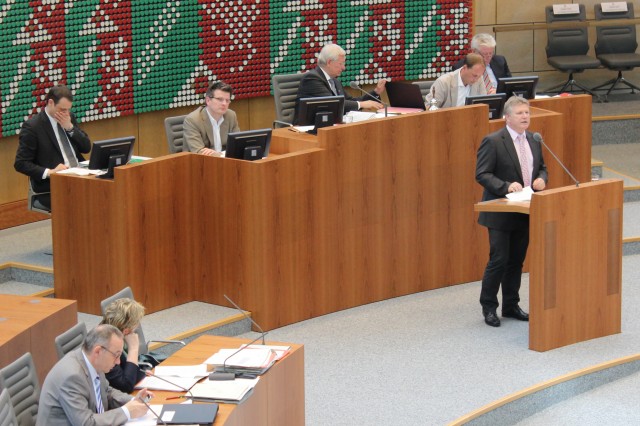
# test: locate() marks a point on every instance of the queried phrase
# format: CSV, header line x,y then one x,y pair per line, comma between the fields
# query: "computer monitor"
x,y
524,86
310,108
249,145
111,153
495,102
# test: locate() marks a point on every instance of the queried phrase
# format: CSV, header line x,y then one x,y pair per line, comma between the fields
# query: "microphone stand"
x,y
538,138
354,85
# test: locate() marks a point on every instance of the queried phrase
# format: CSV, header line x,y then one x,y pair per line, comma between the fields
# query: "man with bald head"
x,y
323,81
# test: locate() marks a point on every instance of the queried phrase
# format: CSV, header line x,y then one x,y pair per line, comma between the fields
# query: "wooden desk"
x,y
362,212
277,399
31,324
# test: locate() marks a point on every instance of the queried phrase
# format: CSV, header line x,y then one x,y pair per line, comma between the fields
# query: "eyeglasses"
x,y
115,356
221,100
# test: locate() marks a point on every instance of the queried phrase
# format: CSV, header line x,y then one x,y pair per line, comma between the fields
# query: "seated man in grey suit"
x,y
70,392
323,81
496,65
451,89
206,128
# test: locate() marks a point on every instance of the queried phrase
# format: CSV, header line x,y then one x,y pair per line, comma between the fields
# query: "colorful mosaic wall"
x,y
126,57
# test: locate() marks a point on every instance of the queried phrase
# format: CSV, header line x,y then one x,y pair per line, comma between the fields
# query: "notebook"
x,y
188,414
405,95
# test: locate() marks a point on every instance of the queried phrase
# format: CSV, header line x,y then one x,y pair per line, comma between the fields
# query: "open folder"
x,y
188,414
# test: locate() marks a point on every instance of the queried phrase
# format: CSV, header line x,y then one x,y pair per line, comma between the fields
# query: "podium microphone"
x,y
159,419
538,138
246,316
354,85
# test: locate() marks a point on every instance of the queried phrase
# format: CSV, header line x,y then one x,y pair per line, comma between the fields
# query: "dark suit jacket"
x,y
68,398
498,65
496,168
314,85
124,376
38,149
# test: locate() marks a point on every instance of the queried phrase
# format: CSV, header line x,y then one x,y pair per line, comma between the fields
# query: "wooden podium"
x,y
575,262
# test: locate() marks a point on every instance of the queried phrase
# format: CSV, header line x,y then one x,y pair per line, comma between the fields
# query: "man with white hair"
x,y
323,81
496,65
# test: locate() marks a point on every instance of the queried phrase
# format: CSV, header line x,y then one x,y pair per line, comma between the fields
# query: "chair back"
x,y
425,87
569,41
173,127
615,39
70,339
7,415
21,380
128,294
285,92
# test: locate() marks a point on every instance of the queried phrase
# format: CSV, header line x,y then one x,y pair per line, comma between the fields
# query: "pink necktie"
x,y
524,161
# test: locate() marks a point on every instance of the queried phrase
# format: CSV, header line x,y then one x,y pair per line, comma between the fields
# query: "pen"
x,y
176,397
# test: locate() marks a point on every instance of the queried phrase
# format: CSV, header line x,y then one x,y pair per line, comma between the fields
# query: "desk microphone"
x,y
354,85
538,138
223,374
159,419
150,374
246,316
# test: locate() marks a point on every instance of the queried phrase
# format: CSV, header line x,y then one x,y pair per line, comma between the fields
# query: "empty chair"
x,y
70,339
173,127
567,48
7,415
425,86
285,92
21,380
616,46
144,345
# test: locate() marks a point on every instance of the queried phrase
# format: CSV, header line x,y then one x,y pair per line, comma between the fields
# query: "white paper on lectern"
x,y
199,370
524,195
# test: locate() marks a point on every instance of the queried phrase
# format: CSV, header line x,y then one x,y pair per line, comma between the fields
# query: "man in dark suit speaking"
x,y
496,65
323,81
508,161
49,142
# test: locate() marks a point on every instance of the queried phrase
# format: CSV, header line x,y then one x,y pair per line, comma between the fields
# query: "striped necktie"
x,y
99,407
487,81
332,83
66,146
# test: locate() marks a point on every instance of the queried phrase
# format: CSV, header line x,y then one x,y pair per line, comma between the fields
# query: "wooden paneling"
x,y
362,212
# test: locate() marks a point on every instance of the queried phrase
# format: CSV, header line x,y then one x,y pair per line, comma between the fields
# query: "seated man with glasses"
x,y
206,128
496,65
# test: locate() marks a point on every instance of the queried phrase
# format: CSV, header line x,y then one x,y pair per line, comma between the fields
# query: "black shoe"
x,y
516,313
491,318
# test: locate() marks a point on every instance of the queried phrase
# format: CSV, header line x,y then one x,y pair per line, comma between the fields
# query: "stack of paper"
x,y
253,359
229,391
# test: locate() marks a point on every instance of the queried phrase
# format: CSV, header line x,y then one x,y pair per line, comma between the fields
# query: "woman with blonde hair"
x,y
125,314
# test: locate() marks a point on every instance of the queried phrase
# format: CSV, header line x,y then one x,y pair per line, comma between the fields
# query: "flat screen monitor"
x,y
249,145
110,153
495,102
308,108
524,86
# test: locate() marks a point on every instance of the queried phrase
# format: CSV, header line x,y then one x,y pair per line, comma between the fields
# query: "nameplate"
x,y
566,9
614,6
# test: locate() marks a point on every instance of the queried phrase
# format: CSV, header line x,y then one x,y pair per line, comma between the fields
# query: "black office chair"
x,y
616,47
567,49
285,92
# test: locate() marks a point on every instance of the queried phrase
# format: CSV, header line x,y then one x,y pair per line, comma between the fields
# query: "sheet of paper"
x,y
233,390
524,195
148,419
179,384
80,171
188,371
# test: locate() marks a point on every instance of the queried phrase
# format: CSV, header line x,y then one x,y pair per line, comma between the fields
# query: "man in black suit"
x,y
508,160
49,142
496,65
323,81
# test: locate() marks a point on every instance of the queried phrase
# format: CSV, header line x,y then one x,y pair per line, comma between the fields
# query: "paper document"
x,y
361,115
524,195
280,351
223,390
148,419
252,357
301,129
189,371
154,383
80,171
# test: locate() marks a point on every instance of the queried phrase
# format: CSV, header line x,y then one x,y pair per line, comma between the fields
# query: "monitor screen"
x,y
524,86
117,151
249,145
495,102
309,107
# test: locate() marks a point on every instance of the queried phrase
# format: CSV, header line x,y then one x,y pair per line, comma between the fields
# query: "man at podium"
x,y
507,161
